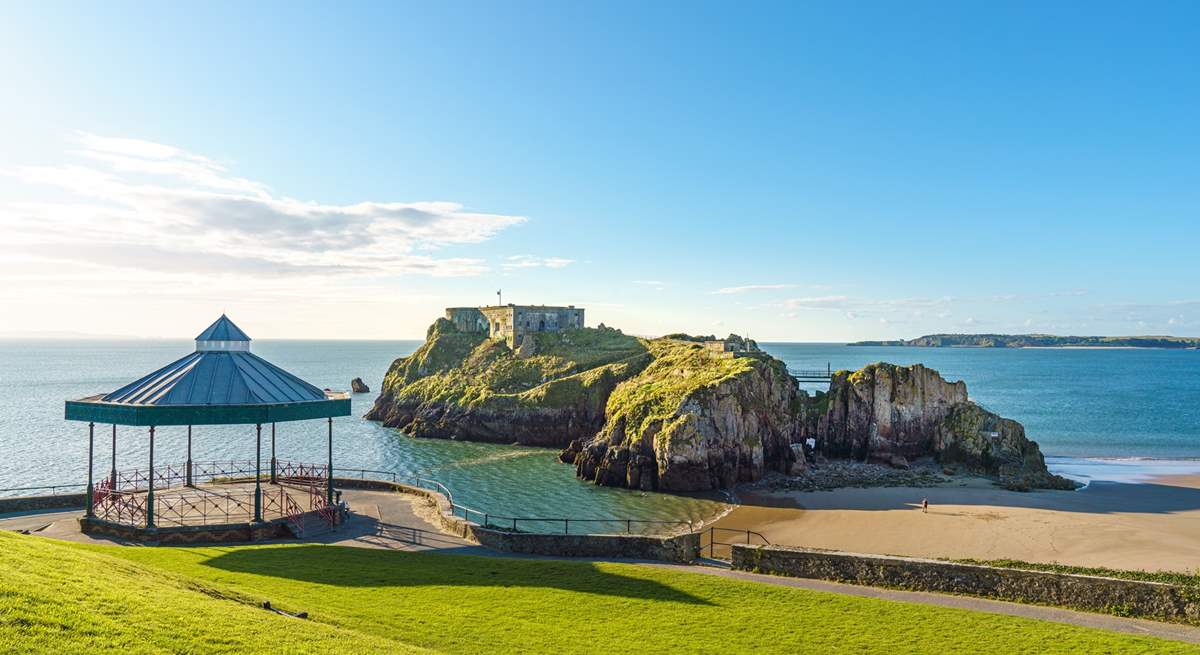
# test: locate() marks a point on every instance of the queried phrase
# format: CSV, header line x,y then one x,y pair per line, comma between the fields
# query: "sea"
x,y
1123,415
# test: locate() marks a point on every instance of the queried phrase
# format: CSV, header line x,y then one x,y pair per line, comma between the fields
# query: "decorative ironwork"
x,y
299,473
125,507
125,502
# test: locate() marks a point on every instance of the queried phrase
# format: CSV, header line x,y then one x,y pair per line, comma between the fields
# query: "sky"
x,y
795,171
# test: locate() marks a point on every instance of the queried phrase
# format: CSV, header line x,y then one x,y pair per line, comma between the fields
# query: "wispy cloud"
x,y
817,302
141,205
752,287
657,285
529,261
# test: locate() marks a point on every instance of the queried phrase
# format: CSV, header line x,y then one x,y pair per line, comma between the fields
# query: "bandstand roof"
x,y
222,382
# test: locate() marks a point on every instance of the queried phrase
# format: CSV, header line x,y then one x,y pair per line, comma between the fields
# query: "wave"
x,y
1129,470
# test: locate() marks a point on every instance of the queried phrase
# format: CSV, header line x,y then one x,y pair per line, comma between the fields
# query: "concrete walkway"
x,y
393,521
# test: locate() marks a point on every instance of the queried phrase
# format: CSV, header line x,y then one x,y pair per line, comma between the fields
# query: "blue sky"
x,y
798,172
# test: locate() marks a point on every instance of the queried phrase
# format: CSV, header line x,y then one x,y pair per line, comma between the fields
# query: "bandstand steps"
x,y
309,526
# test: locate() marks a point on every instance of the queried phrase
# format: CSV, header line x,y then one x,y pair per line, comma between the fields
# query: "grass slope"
x,y
57,597
60,598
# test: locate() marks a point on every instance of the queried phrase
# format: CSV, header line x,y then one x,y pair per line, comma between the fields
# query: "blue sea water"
x,y
1079,404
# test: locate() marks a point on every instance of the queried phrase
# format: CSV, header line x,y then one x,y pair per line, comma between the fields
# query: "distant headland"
x,y
1037,341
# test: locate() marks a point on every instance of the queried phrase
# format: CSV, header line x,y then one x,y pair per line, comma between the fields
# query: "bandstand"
x,y
221,383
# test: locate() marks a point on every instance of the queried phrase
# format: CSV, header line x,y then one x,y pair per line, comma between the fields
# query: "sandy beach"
x,y
1152,525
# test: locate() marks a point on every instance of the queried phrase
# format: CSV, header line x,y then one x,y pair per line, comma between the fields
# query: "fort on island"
x,y
510,323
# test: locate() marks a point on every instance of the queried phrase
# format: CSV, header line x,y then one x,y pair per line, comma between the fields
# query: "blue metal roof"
x,y
217,378
223,329
222,382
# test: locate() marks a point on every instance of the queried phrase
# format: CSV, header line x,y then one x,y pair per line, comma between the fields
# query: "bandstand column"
x,y
188,482
150,481
113,473
273,479
329,468
258,475
91,449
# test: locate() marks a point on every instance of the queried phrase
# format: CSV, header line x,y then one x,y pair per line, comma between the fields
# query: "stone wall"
x,y
467,319
37,503
676,548
191,534
512,322
1152,600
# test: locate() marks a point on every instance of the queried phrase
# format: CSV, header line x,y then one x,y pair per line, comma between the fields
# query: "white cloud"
x,y
529,261
149,206
817,302
752,287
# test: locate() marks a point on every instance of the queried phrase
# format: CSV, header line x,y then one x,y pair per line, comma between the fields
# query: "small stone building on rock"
x,y
511,323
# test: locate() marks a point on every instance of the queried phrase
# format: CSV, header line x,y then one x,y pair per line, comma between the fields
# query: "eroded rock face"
x,y
890,414
882,411
358,386
715,435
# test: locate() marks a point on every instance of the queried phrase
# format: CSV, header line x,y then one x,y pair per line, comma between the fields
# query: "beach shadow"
x,y
344,566
1099,498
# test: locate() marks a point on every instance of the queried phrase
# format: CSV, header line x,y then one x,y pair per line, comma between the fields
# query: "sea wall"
x,y
35,503
1137,598
673,548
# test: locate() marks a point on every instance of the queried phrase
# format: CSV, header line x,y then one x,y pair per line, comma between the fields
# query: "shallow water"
x,y
1078,404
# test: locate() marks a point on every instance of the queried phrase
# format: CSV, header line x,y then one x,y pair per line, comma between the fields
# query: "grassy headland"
x,y
1036,341
57,597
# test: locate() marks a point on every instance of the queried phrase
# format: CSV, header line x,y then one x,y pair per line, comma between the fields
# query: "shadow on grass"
x,y
342,566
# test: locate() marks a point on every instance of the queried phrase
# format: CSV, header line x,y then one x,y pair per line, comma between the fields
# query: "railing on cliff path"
x,y
529,524
724,549
129,482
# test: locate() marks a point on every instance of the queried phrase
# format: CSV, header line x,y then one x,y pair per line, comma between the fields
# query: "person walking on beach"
x,y
925,505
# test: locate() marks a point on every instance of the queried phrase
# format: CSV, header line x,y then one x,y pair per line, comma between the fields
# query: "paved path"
x,y
393,521
385,519
1142,627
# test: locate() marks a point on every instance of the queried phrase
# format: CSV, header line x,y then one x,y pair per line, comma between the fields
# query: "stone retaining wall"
x,y
189,534
1153,600
676,548
35,503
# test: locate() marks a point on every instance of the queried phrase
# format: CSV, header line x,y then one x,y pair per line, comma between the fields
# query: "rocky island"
x,y
682,413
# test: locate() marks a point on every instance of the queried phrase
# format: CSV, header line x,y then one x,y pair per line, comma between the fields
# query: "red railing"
x,y
300,473
123,499
124,507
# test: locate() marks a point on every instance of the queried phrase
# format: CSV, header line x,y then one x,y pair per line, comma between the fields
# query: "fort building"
x,y
511,323
733,346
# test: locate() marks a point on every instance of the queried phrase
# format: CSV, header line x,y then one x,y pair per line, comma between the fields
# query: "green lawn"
x,y
57,597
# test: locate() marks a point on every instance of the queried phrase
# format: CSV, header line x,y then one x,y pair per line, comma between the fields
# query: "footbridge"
x,y
812,374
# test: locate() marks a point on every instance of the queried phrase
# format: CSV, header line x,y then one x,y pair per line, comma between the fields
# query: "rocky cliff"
x,y
669,414
694,420
463,385
888,414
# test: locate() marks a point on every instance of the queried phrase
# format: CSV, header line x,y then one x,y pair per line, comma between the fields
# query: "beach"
x,y
1146,525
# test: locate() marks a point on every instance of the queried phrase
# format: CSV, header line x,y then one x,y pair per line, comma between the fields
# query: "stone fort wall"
x,y
512,322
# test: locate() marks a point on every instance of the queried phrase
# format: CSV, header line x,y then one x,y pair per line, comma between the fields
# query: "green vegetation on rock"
x,y
678,370
469,369
466,385
69,598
